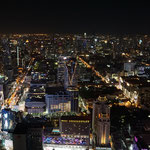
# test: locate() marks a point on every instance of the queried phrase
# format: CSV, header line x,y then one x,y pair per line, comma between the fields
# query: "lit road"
x,y
13,99
127,103
93,69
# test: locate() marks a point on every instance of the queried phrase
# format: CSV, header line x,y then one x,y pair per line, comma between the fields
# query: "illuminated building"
x,y
101,123
35,105
35,102
70,76
73,134
57,100
61,69
74,93
8,120
129,67
7,53
17,56
66,72
76,126
137,89
142,70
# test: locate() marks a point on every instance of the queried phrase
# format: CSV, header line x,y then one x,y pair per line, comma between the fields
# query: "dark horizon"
x,y
109,17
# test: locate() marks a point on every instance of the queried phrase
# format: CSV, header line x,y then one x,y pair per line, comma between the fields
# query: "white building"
x,y
57,100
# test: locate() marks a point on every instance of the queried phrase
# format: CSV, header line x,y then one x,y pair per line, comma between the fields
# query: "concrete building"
x,y
35,102
73,134
66,72
101,123
28,136
19,138
57,100
35,105
137,89
61,70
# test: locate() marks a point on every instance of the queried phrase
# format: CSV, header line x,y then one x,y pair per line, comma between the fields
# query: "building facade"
x,y
101,123
74,134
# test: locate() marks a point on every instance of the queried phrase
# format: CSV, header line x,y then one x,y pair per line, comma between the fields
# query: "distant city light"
x,y
105,41
95,40
65,58
27,41
140,42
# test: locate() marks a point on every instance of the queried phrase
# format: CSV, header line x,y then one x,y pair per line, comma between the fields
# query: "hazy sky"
x,y
103,16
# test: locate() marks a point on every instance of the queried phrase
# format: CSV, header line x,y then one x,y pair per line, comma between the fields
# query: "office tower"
x,y
18,56
70,78
75,126
74,93
61,70
7,53
101,122
35,104
7,61
59,99
19,137
28,136
66,72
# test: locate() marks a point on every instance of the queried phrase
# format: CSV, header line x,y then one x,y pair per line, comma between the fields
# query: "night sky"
x,y
95,16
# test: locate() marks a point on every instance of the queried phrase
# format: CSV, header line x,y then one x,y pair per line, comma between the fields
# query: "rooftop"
x,y
55,90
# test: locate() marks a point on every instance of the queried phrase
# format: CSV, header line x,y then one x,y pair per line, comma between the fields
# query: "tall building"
x,y
18,56
35,105
28,136
59,100
7,60
7,53
61,70
101,123
74,93
66,72
19,137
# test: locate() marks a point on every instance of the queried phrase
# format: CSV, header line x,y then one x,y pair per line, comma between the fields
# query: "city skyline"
x,y
74,91
74,75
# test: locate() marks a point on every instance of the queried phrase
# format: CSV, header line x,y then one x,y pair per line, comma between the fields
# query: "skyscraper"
x,y
66,72
101,123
